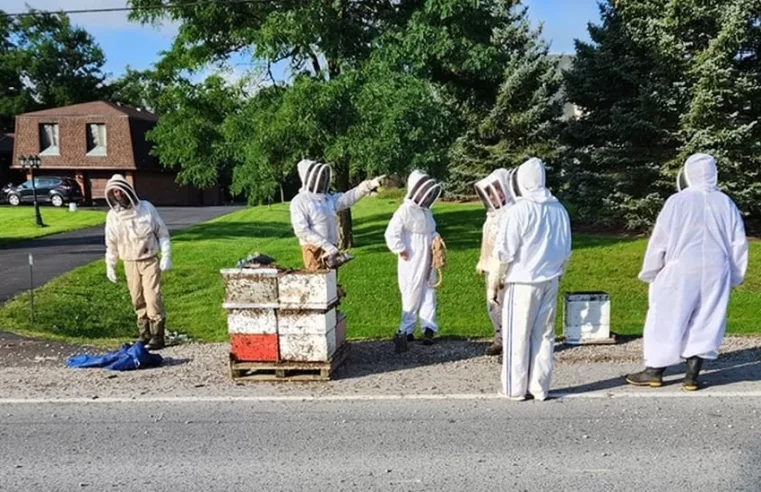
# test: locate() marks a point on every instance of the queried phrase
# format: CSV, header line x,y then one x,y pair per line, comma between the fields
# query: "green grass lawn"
x,y
17,223
84,305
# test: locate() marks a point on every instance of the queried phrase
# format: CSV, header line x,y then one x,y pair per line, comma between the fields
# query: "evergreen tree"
x,y
725,104
629,122
523,122
660,81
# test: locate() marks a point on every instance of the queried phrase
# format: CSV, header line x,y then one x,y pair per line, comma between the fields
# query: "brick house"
x,y
92,141
6,158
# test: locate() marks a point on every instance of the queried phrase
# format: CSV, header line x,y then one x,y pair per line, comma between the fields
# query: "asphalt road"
x,y
57,254
670,444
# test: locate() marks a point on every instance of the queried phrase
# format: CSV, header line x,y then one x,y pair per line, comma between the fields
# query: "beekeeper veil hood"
x,y
120,194
315,176
528,182
422,190
493,190
699,172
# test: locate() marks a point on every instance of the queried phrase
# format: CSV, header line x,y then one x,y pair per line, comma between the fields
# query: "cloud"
x,y
93,22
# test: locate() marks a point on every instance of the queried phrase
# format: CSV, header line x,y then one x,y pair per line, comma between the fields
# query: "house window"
x,y
96,139
49,139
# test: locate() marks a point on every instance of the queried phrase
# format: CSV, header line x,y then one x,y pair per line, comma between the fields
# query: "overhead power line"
x,y
131,9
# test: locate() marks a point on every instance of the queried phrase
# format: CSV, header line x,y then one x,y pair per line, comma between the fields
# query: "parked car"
x,y
4,192
50,189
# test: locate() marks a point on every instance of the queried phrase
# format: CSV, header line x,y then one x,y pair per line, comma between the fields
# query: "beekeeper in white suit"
x,y
410,235
135,234
533,247
493,191
698,252
314,209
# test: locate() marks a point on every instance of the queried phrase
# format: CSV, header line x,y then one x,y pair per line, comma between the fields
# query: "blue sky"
x,y
130,44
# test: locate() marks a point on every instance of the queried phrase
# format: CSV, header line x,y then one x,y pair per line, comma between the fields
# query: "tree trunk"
x,y
345,237
282,194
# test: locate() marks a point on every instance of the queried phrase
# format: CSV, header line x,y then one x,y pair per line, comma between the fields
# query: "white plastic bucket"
x,y
72,207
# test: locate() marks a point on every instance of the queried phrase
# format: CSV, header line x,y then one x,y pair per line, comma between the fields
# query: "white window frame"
x,y
101,149
55,147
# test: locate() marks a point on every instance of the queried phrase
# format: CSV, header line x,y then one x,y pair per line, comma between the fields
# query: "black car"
x,y
50,189
4,192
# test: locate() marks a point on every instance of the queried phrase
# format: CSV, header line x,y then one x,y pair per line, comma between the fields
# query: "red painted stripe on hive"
x,y
254,348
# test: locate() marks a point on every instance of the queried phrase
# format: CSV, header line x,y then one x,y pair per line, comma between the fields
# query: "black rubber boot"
x,y
494,349
428,337
144,330
400,343
651,376
691,373
157,336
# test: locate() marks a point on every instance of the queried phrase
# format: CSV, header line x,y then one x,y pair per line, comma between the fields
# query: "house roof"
x,y
96,108
6,143
565,62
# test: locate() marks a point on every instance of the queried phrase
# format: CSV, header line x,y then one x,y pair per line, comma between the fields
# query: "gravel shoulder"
x,y
34,369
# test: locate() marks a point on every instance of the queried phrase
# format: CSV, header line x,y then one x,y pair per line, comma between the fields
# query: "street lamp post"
x,y
33,163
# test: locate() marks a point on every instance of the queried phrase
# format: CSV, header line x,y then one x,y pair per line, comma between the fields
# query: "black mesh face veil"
x,y
318,178
323,180
682,182
484,196
428,193
121,196
515,189
493,190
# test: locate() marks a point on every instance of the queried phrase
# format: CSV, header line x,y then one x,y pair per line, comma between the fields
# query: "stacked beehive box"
x,y
587,318
283,322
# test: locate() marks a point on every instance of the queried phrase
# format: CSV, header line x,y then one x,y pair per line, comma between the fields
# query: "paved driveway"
x,y
56,255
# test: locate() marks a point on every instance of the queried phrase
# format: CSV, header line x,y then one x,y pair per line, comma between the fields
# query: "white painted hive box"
x,y
586,317
252,322
250,288
308,290
307,336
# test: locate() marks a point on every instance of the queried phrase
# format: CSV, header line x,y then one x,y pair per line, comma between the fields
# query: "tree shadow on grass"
x,y
462,230
235,230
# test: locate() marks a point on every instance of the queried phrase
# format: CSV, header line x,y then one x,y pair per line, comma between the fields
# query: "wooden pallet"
x,y
288,370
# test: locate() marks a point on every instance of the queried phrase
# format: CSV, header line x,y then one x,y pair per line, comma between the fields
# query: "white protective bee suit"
x,y
697,253
135,233
493,191
411,231
314,209
533,246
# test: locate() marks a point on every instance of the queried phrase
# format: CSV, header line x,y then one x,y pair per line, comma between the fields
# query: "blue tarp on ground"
x,y
126,358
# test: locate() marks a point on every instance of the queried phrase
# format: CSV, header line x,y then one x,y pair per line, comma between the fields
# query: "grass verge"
x,y
84,306
17,223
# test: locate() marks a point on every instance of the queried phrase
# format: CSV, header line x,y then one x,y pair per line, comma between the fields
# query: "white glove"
x,y
111,272
329,250
493,296
495,284
377,182
166,254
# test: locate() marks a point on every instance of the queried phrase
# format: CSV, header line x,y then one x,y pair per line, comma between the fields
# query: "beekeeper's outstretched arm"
x,y
303,229
162,233
347,200
112,247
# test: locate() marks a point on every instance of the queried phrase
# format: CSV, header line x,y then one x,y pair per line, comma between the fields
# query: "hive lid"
x,y
260,271
587,296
